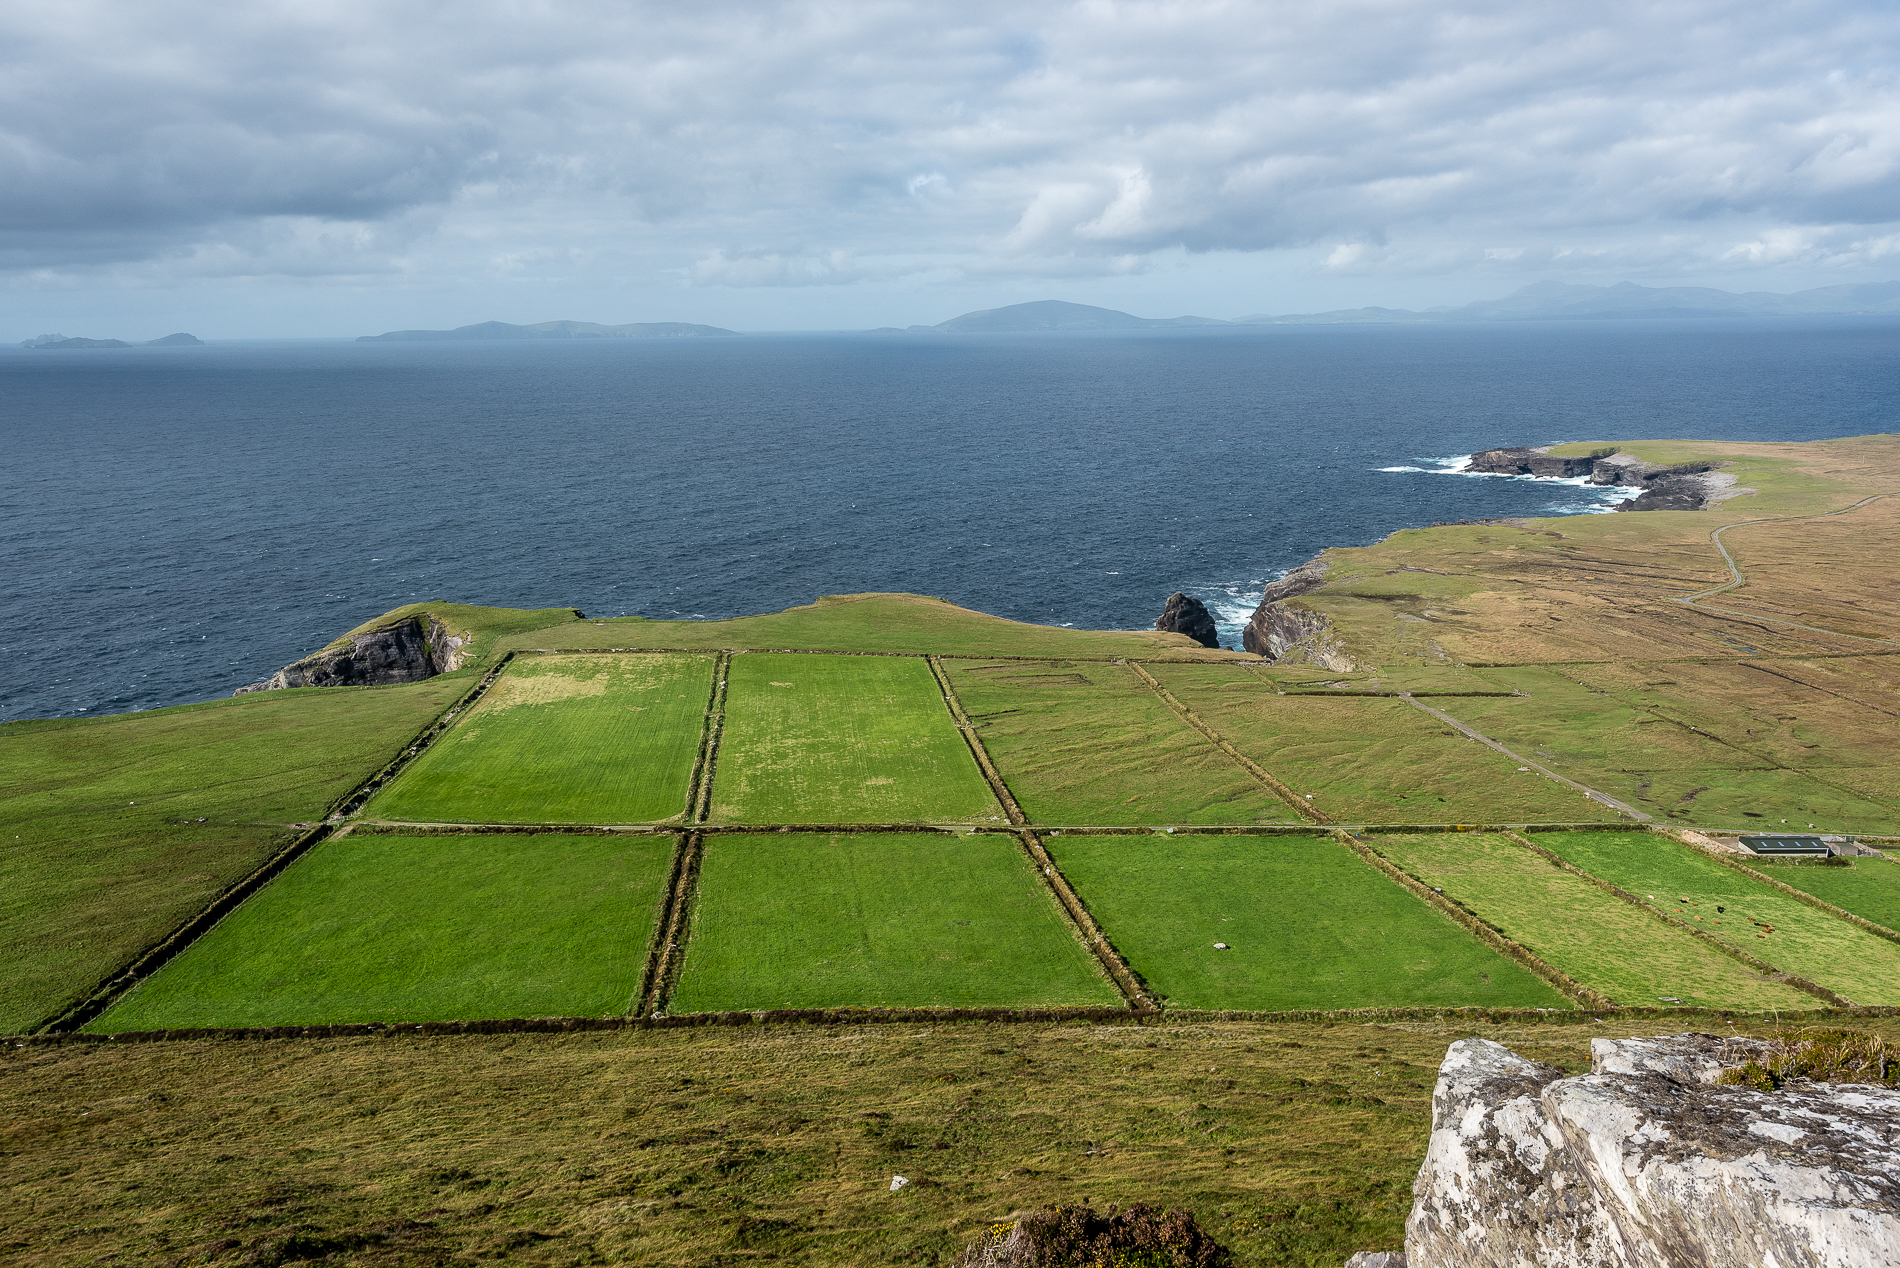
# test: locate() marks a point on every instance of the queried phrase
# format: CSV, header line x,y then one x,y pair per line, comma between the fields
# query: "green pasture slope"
x,y
1595,937
1687,884
1870,888
787,920
565,739
1370,759
1632,746
843,739
102,852
1082,742
1307,923
369,927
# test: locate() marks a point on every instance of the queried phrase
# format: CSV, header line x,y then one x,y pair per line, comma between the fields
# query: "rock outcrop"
x,y
1185,614
1689,487
1646,1161
407,650
1281,630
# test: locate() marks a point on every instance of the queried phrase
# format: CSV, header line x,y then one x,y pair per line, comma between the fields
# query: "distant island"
x,y
179,340
552,330
1541,301
1047,314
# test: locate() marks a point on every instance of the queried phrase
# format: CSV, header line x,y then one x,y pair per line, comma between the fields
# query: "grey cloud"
x,y
886,136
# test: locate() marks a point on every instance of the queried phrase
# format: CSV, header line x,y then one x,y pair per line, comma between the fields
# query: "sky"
x,y
341,167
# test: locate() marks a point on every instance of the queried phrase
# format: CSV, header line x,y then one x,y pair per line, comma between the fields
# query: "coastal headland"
x,y
674,941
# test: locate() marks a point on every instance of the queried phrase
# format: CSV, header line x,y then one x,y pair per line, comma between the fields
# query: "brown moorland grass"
x,y
1595,937
1370,760
1669,753
1294,1143
1089,743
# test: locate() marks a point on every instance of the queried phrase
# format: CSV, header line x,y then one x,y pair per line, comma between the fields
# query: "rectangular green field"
x,y
436,928
1870,888
899,920
565,739
843,739
1083,743
1307,923
118,829
1371,759
1595,937
1770,926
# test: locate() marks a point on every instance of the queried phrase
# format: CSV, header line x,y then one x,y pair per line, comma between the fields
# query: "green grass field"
x,y
870,919
843,739
1308,925
1090,743
565,739
102,848
1595,937
1371,760
390,928
1803,941
1870,889
870,623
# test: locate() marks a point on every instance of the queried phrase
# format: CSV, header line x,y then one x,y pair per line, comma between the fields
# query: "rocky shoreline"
x,y
1690,487
1280,628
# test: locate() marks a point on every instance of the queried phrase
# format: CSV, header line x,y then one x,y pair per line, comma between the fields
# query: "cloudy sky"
x,y
336,167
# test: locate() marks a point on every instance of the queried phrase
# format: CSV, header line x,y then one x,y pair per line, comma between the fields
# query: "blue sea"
x,y
176,522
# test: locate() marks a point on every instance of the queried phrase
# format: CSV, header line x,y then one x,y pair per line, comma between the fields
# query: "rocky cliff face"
x,y
1684,488
1281,630
408,650
1644,1161
1184,614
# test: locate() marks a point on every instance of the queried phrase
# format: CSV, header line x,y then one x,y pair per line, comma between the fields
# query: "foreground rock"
x,y
1690,487
1185,614
1646,1161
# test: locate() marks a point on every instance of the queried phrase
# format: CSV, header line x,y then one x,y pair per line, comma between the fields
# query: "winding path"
x,y
1735,573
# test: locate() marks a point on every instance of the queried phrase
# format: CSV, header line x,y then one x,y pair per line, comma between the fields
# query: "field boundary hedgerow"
x,y
162,952
1302,807
1478,927
1799,895
1082,922
357,797
705,765
668,953
1736,953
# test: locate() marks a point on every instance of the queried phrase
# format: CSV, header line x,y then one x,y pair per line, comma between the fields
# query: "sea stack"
x,y
1184,614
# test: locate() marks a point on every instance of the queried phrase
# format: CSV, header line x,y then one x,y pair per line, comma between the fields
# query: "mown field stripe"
x,y
1733,952
668,951
1302,807
1476,925
358,796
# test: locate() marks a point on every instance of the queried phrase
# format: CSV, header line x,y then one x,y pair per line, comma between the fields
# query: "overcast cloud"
x,y
542,149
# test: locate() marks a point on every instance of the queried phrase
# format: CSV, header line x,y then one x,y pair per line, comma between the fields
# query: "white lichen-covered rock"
x,y
1646,1161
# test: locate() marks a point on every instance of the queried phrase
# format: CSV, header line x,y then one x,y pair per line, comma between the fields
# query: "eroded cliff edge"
x,y
1689,486
408,644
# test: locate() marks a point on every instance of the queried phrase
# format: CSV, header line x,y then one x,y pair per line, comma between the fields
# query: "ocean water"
x,y
176,522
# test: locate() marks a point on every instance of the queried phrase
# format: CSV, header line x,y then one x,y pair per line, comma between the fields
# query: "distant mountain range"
x,y
1542,301
553,330
1048,314
61,341
1545,301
